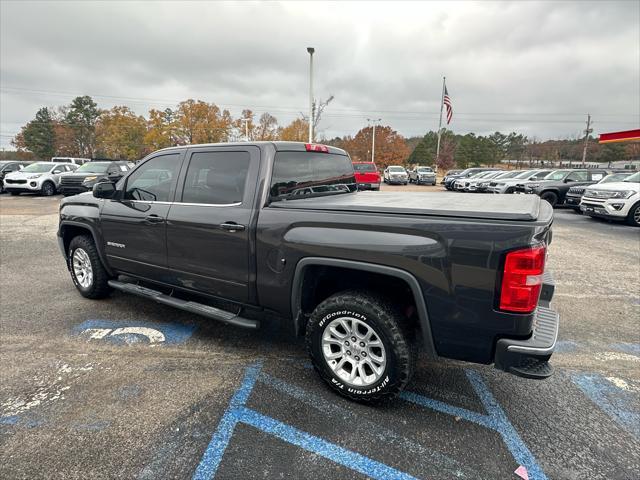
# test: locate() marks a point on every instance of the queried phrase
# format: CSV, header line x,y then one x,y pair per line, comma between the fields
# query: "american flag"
x,y
447,103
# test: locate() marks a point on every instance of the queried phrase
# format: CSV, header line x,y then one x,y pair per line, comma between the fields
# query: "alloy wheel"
x,y
354,351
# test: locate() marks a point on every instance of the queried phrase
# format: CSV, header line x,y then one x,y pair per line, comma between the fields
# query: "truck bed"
x,y
466,205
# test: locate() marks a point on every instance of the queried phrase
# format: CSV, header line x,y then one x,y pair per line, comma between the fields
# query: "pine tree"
x,y
38,135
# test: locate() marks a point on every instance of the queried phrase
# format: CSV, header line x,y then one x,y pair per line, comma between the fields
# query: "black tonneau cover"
x,y
450,204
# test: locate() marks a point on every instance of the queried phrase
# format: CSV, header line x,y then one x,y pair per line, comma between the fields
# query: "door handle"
x,y
231,227
154,219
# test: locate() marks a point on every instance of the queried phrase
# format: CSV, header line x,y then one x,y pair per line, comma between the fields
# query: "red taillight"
x,y
314,147
522,279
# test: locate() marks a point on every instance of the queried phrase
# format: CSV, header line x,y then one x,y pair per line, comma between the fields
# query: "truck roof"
x,y
280,146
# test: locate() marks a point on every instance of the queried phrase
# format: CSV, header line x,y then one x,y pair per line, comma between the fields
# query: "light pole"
x,y
373,138
310,50
246,128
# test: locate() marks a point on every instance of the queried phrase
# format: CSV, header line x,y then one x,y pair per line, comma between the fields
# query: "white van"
x,y
74,160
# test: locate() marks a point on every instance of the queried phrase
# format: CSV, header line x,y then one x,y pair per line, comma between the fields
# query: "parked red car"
x,y
367,176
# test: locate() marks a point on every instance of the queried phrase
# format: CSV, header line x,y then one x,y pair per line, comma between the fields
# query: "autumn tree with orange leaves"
x,y
202,122
296,131
391,148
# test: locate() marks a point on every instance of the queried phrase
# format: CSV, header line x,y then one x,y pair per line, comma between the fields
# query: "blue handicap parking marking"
x,y
616,402
630,348
495,419
237,412
134,331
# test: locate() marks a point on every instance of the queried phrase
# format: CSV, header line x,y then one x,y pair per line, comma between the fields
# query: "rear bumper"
x,y
530,358
369,186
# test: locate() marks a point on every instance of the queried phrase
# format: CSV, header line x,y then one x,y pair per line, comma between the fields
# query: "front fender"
x,y
76,216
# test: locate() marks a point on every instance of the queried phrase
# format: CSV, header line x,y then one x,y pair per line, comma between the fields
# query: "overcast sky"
x,y
532,67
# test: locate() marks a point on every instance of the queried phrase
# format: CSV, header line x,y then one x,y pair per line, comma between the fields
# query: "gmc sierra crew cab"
x,y
247,233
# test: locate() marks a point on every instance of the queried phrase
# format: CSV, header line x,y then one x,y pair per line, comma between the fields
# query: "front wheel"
x,y
359,344
550,197
87,272
634,216
48,189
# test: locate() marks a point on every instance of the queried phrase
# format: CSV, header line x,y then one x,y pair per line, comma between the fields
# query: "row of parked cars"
x,y
368,178
64,175
596,192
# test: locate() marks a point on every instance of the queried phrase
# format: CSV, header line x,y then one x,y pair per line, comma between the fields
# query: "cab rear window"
x,y
305,174
364,167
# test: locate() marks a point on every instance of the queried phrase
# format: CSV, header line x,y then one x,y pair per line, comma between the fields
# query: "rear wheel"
x,y
550,197
87,272
634,216
359,344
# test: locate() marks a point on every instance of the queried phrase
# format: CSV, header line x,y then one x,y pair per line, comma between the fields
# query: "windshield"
x,y
525,174
494,174
364,167
304,174
396,169
425,170
557,175
633,178
513,174
38,167
94,167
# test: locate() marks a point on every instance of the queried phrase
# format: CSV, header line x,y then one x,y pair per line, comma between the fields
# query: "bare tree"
x,y
318,108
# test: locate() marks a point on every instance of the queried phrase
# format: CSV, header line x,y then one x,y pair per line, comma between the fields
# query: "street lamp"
x,y
246,128
373,138
310,50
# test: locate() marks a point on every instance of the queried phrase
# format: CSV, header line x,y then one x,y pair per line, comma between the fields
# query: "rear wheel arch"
x,y
313,283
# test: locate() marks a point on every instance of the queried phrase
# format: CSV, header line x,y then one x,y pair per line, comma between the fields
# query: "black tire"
x,y
550,197
632,218
15,194
388,324
99,287
48,189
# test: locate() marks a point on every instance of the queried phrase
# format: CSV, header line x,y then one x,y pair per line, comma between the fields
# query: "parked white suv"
x,y
40,177
615,201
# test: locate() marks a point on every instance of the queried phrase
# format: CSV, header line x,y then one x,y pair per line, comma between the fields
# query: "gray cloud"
x,y
536,67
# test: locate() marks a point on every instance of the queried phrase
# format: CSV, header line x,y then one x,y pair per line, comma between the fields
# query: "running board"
x,y
187,306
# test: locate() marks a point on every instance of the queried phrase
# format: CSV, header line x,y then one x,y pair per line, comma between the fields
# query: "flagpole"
x,y
440,124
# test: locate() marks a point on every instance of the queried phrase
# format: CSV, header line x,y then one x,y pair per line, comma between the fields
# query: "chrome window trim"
x,y
236,204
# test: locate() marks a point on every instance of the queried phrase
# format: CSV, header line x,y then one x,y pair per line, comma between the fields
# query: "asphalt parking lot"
x,y
126,388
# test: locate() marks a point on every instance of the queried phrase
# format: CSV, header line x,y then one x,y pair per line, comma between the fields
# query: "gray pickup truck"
x,y
251,232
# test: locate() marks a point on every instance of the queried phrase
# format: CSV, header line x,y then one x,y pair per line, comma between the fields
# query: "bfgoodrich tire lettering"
x,y
98,286
389,325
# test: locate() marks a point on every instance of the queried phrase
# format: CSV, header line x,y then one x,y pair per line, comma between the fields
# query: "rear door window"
x,y
216,178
